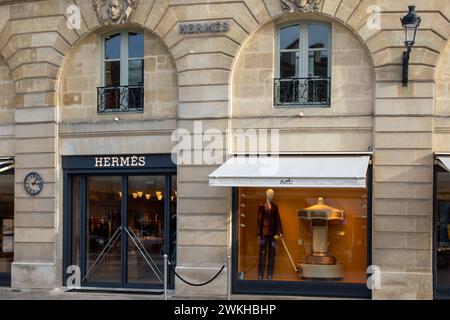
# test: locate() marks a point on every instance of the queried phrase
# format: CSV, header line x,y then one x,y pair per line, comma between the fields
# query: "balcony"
x,y
120,99
302,92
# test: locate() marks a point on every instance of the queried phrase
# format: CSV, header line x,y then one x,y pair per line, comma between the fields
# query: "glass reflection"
x,y
318,63
288,64
135,45
146,225
290,37
112,73
318,36
103,229
136,72
112,47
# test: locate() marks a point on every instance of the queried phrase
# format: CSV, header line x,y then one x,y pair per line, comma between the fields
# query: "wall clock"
x,y
33,183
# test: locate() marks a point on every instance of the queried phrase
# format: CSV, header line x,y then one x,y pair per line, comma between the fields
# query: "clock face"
x,y
33,183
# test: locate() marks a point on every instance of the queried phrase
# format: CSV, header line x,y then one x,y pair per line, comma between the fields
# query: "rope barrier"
x,y
196,284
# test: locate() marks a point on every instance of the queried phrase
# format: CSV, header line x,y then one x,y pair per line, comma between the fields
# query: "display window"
x,y
298,236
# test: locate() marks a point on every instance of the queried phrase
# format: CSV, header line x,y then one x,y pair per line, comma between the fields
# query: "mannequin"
x,y
269,228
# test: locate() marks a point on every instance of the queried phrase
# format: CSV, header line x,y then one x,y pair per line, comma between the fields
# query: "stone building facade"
x,y
49,75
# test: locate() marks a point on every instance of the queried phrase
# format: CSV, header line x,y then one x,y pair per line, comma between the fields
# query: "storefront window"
x,y
300,235
121,226
6,223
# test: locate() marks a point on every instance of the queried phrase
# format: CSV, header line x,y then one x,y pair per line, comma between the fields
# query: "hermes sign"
x,y
286,181
121,161
204,27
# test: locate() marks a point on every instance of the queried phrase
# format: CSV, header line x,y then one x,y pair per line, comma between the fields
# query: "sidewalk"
x,y
60,294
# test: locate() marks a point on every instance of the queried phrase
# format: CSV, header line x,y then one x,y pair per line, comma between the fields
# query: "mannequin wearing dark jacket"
x,y
269,225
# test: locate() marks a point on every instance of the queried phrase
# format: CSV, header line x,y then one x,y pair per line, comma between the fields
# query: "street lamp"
x,y
410,24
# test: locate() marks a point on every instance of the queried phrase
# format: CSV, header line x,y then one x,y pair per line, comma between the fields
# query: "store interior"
x,y
342,237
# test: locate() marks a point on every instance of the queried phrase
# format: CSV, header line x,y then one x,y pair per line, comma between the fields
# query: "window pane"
x,y
290,37
112,47
320,245
318,63
135,72
103,234
135,45
318,36
146,221
112,73
288,64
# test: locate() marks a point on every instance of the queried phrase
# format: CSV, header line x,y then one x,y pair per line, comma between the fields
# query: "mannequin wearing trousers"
x,y
269,226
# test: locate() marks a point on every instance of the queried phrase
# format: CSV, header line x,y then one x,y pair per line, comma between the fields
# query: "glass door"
x,y
145,229
103,230
121,228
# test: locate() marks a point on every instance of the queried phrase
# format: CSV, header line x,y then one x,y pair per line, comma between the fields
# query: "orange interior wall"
x,y
348,238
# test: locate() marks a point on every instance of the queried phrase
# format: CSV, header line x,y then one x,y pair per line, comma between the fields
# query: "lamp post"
x,y
410,24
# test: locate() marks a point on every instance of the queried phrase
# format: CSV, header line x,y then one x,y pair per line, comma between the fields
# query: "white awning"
x,y
293,172
444,162
6,164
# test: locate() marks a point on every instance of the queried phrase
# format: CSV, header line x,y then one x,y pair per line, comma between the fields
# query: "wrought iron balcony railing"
x,y
120,99
302,91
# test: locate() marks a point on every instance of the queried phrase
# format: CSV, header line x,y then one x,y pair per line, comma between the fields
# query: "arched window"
x,y
122,73
303,64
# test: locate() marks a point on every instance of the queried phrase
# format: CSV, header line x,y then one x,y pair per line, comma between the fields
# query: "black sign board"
x,y
115,162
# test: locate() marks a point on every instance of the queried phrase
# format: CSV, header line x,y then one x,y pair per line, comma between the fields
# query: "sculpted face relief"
x,y
114,9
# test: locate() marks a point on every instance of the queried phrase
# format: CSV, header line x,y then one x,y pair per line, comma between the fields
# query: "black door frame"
x,y
160,165
310,288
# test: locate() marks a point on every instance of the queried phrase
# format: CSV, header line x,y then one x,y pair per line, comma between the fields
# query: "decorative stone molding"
x,y
290,6
114,12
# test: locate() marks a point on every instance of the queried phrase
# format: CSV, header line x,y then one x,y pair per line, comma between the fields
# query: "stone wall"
x,y
441,141
35,43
